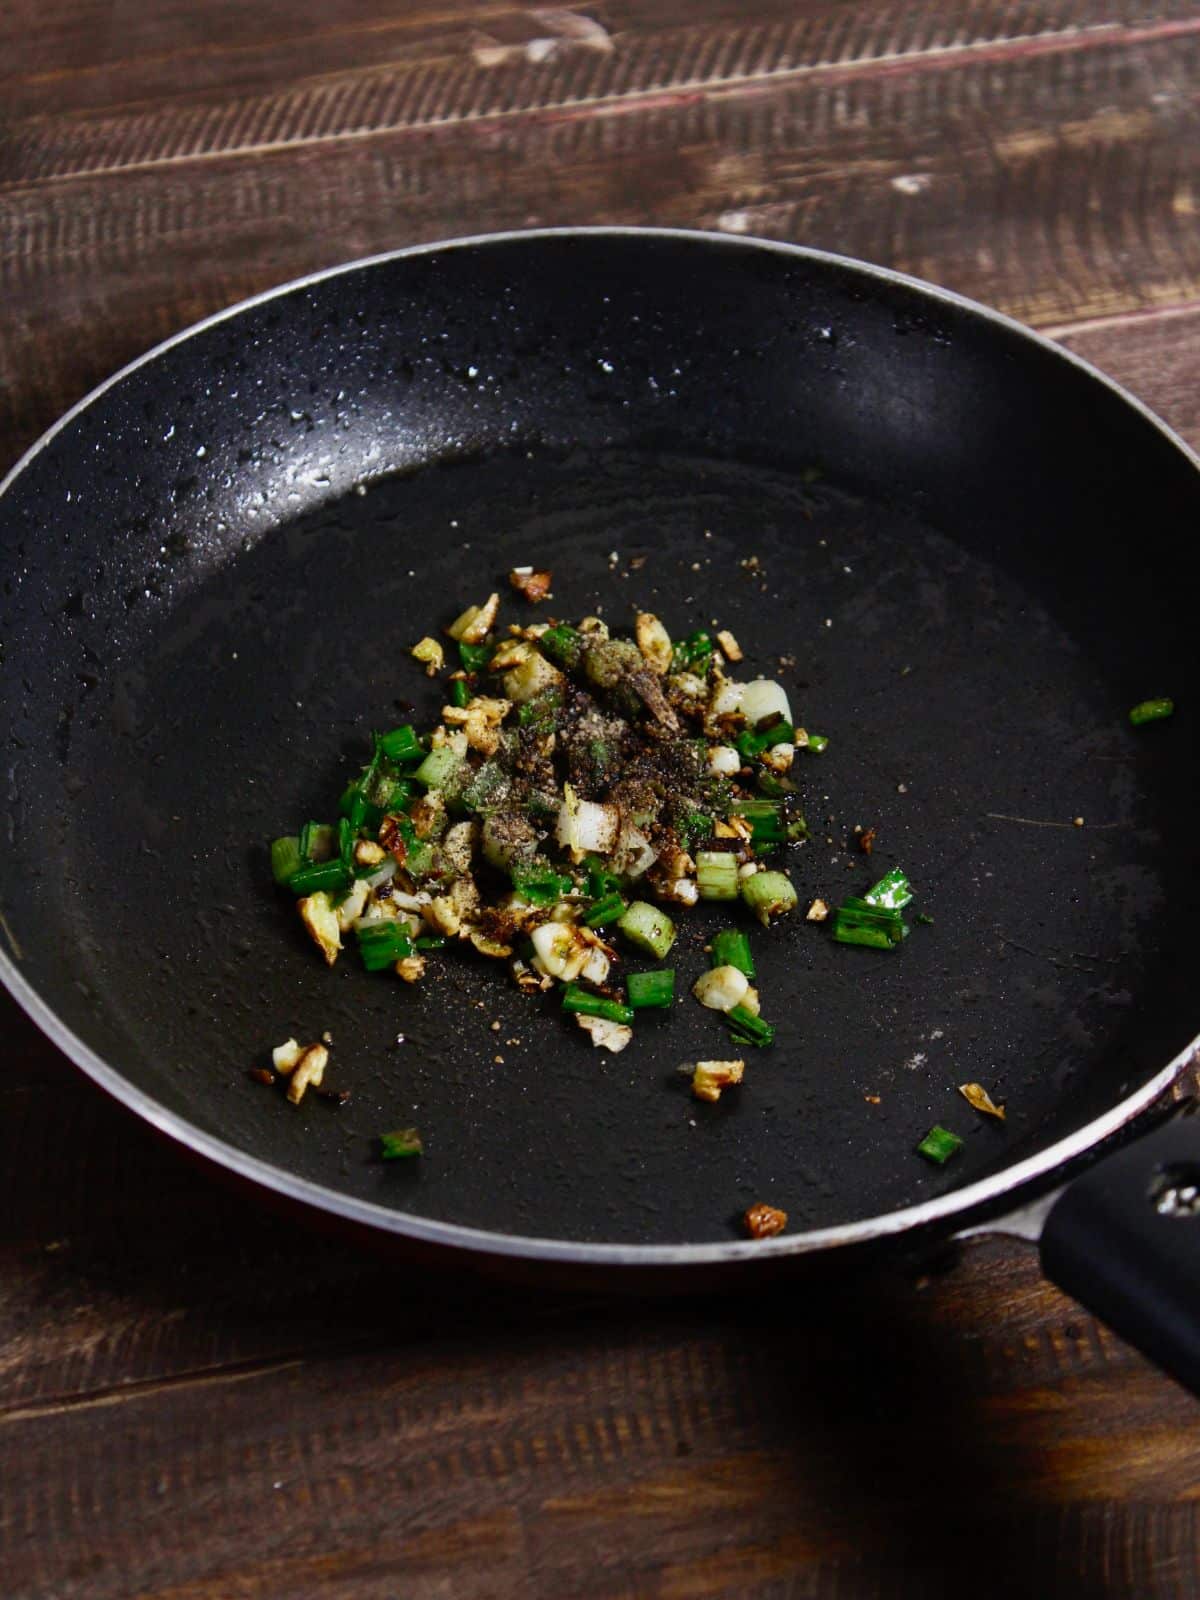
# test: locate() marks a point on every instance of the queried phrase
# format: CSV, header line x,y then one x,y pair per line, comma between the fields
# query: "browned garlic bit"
x,y
535,586
302,1065
475,623
730,648
710,1077
430,652
763,1221
817,912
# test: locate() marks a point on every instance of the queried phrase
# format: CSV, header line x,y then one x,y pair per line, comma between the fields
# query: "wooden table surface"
x,y
197,1401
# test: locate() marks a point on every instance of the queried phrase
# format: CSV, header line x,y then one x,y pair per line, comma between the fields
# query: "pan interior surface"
x,y
920,522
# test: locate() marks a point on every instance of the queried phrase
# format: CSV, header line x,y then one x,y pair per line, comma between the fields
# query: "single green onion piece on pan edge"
x,y
382,944
939,1144
649,928
460,692
746,1028
285,858
856,922
1151,711
768,894
432,941
654,990
752,744
716,875
731,948
586,1004
891,893
404,1142
817,742
401,744
608,909
328,875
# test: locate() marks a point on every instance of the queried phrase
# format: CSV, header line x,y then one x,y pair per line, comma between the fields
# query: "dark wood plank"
x,y
177,78
1059,187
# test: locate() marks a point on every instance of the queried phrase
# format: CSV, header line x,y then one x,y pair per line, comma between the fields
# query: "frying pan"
x,y
962,550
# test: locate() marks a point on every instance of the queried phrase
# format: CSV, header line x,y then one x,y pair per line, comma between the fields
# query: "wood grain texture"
x,y
988,178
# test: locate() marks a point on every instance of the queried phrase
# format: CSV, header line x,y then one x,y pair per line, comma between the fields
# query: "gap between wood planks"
x,y
937,58
148,1388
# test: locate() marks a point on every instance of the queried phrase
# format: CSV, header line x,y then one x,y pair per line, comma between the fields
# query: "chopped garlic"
x,y
285,1056
480,720
369,854
779,757
730,646
509,654
431,653
682,891
817,912
310,1069
654,642
606,1035
710,1077
319,917
531,676
722,988
723,760
488,946
348,910
596,968
411,968
474,624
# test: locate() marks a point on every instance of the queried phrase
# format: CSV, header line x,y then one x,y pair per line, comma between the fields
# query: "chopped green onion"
x,y
363,813
582,1001
382,944
765,819
649,928
773,786
401,744
328,875
318,841
651,989
460,692
437,767
606,909
345,842
749,1029
693,654
474,657
731,948
600,882
939,1144
817,742
431,941
564,646
404,1142
1151,711
891,893
286,858
857,922
716,875
349,794
541,886
768,894
752,743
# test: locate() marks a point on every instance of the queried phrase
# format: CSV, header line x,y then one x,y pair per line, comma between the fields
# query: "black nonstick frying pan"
x,y
969,551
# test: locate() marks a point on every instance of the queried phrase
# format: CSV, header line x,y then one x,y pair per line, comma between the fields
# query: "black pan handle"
x,y
1124,1240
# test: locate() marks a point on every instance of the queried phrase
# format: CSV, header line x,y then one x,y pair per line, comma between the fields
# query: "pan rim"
x,y
955,1206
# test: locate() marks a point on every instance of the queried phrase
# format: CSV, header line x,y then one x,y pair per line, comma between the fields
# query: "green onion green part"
x,y
746,1028
651,990
563,645
857,922
401,744
541,886
752,742
731,948
1151,711
649,928
939,1144
327,875
716,875
474,657
382,944
286,858
404,1142
607,909
432,941
318,841
891,893
817,742
460,692
586,1004
437,767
